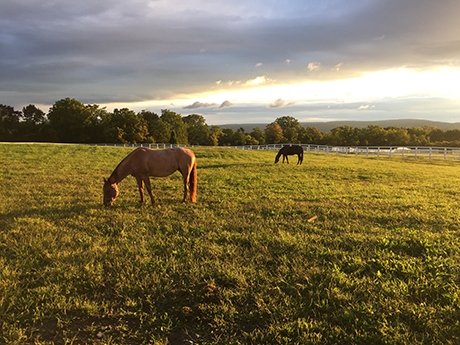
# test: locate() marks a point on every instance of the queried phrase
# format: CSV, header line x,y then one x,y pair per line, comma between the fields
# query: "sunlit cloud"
x,y
258,81
259,64
314,66
338,66
365,107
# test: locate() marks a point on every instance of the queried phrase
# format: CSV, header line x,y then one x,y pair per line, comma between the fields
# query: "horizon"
x,y
244,62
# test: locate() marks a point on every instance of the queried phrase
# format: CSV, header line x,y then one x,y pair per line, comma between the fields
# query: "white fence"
x,y
378,151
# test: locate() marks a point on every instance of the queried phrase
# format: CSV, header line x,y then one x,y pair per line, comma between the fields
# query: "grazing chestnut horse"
x,y
290,150
143,163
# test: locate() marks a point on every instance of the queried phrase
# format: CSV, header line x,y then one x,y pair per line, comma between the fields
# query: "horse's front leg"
x,y
141,189
287,160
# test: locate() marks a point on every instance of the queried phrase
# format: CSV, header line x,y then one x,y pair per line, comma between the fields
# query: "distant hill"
x,y
327,126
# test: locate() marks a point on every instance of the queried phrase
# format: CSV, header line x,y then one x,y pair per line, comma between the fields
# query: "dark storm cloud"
x,y
134,50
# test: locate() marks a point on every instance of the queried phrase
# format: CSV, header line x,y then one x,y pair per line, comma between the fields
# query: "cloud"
x,y
365,107
338,66
258,81
198,105
314,66
137,51
280,103
226,104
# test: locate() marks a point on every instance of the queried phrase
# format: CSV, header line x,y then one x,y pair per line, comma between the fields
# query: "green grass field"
x,y
246,264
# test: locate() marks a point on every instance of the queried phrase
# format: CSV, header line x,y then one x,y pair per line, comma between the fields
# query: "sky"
x,y
239,61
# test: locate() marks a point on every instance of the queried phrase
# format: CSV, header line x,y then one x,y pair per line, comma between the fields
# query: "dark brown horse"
x,y
290,150
143,163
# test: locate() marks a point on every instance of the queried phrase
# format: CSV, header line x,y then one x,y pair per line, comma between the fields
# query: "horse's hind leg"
x,y
186,178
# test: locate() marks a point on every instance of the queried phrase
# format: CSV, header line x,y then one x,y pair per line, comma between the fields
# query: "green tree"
x,y
258,135
310,135
226,138
9,123
345,135
33,115
178,128
239,138
420,136
290,135
197,129
291,128
373,135
33,124
273,133
215,132
124,126
250,140
158,130
397,136
72,121
452,135
438,135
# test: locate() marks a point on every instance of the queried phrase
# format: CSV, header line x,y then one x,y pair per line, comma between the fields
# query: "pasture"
x,y
338,250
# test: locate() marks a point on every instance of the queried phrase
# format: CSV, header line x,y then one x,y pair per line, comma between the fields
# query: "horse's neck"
x,y
118,174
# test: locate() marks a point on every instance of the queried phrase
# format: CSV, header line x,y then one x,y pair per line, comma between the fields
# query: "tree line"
x,y
70,121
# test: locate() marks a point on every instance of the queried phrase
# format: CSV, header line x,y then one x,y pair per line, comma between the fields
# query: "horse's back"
x,y
292,150
166,162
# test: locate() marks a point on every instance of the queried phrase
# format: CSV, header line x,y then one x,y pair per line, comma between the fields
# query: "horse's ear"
x,y
104,179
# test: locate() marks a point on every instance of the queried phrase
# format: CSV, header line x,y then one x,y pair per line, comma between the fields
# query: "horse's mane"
x,y
114,176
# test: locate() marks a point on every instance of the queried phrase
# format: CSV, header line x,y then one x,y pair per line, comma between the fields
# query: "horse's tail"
x,y
192,181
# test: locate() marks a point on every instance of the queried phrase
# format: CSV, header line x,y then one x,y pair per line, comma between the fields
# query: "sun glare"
x,y
375,86
372,86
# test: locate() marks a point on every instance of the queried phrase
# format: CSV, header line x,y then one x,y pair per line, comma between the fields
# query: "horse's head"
x,y
110,192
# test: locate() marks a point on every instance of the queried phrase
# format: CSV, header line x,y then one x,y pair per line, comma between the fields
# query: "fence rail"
x,y
378,151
